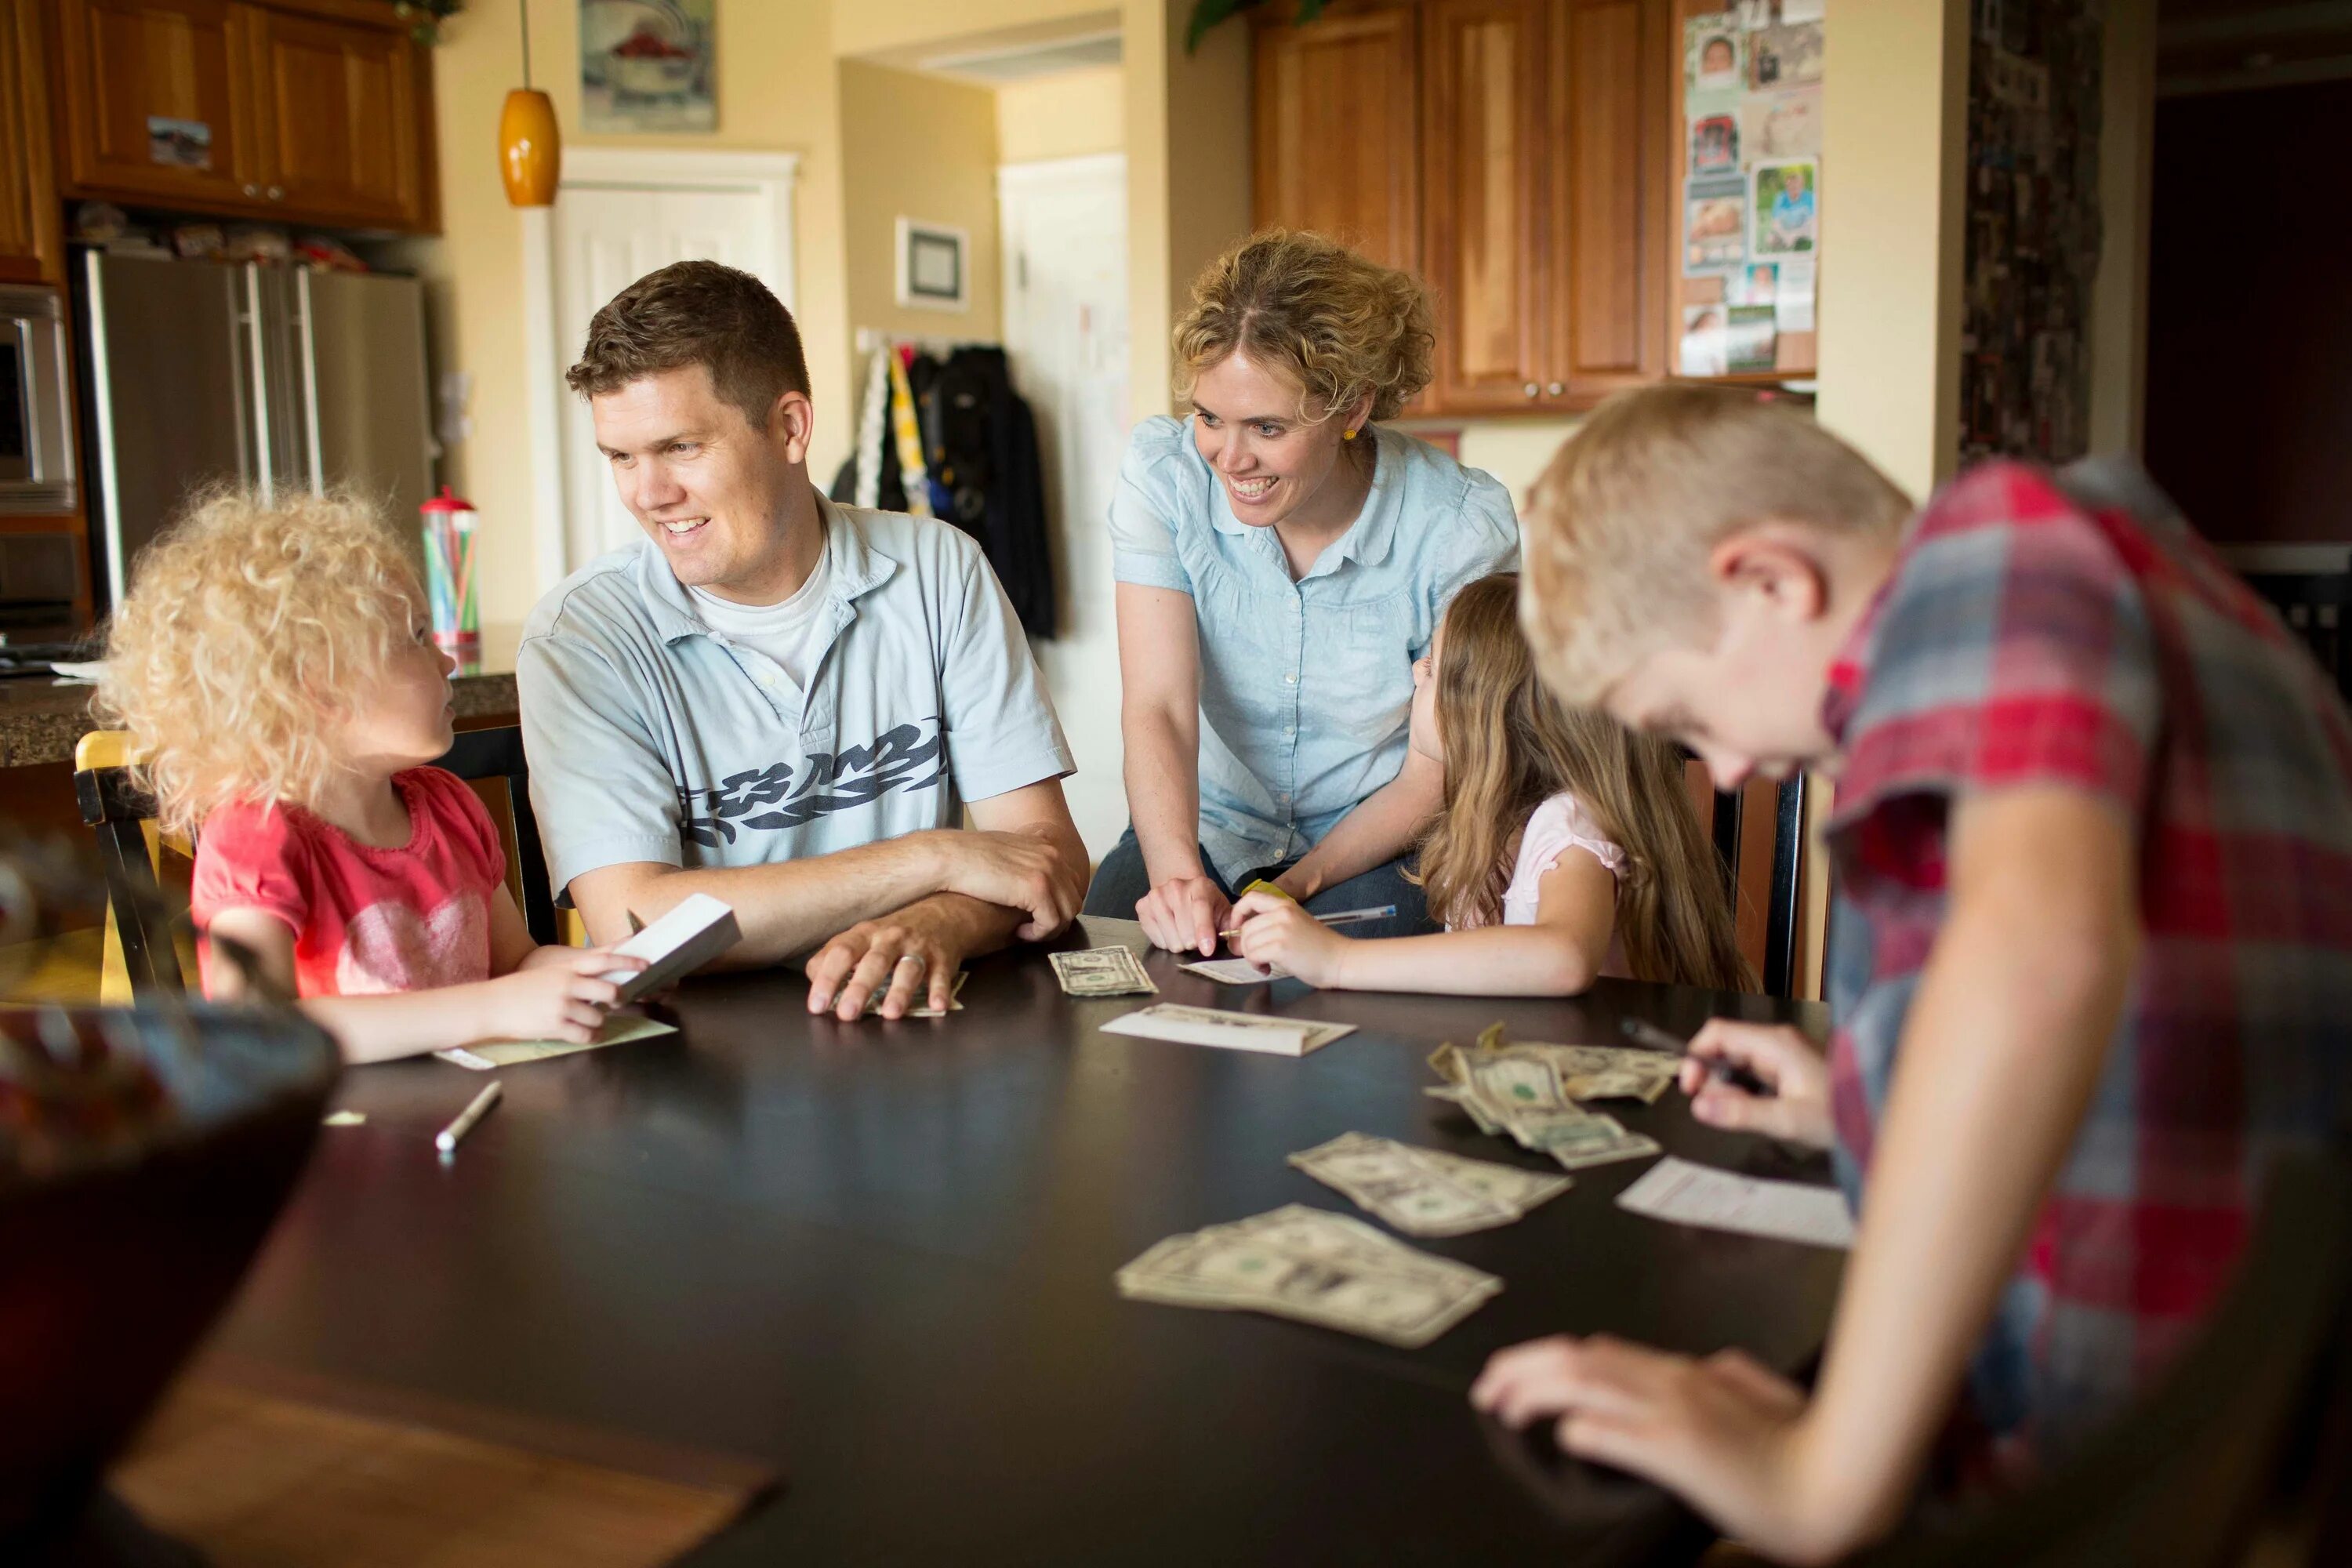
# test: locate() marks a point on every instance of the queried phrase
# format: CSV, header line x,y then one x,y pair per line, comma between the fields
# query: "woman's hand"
x,y
1790,1065
1185,912
1275,930
907,957
556,993
1727,1433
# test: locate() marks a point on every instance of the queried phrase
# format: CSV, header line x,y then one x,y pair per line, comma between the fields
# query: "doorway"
x,y
1063,227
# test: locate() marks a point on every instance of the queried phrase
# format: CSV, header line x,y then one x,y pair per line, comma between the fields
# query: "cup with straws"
x,y
449,531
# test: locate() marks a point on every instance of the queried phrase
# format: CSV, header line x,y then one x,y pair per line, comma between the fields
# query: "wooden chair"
x,y
1727,826
2245,1441
141,957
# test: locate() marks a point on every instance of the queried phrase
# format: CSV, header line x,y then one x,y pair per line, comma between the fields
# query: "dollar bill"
x,y
1102,972
1314,1267
1528,1092
1603,1143
874,1003
1422,1191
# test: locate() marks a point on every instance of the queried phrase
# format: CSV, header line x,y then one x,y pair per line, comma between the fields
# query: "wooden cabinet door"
x,y
1611,146
1482,187
1335,126
24,148
154,100
339,109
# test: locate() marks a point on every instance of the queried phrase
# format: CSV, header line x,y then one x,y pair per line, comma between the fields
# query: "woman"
x,y
1283,558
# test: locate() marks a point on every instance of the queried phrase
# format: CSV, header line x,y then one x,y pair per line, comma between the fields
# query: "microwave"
x,y
37,473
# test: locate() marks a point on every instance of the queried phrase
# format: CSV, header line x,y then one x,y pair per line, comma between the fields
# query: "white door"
x,y
1063,225
613,225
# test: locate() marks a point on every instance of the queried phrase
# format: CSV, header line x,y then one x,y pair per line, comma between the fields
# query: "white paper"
x,y
1233,972
1803,10
1686,1193
1792,294
1227,1031
697,931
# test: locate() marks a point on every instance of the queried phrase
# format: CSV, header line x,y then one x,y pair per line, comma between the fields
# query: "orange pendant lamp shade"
x,y
530,152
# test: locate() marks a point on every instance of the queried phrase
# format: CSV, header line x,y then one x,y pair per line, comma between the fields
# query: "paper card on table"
x,y
619,1029
696,931
1686,1193
1234,971
1228,1031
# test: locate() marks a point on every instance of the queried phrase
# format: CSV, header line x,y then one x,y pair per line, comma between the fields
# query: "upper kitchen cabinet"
x,y
31,244
154,100
303,111
1337,132
1535,138
344,120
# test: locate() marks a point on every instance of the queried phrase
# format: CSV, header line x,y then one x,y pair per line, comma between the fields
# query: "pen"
x,y
1344,917
1732,1073
447,1139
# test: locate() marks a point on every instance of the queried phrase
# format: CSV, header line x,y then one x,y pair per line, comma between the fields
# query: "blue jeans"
x,y
1121,882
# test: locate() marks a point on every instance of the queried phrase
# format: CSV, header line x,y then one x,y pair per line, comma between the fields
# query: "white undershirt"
x,y
784,632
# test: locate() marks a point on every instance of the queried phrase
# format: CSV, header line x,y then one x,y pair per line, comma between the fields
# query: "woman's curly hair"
x,y
248,627
1310,308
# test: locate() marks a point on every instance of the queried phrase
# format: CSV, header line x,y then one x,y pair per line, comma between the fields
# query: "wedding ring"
x,y
914,958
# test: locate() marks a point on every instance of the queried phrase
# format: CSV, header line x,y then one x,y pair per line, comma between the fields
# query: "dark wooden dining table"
x,y
878,1256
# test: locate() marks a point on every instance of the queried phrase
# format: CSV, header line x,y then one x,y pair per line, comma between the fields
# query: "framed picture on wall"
x,y
934,266
647,65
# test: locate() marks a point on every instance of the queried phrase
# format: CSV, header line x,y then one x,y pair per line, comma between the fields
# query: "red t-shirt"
x,y
366,922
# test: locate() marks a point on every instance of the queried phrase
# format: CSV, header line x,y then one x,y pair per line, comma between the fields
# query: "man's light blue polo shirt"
x,y
652,737
1306,687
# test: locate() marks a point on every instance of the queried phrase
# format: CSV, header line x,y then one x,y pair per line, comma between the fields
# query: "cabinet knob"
x,y
1554,390
252,190
277,193
1531,389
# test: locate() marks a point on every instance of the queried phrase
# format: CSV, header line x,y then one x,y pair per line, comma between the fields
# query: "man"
x,y
2092,958
783,703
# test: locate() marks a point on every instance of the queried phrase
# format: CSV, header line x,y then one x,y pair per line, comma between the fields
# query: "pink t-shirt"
x,y
1553,828
366,922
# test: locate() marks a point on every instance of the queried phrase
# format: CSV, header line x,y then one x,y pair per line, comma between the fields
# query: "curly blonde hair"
x,y
1309,307
248,627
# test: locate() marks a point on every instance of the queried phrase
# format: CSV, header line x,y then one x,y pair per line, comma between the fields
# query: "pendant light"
x,y
530,152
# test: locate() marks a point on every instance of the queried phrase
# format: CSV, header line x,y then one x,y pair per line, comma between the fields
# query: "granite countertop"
x,y
41,717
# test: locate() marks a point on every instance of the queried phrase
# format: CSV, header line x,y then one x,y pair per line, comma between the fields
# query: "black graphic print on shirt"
x,y
910,756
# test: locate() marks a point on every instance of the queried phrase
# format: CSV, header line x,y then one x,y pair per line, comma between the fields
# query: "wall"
x,y
2249,327
919,147
2119,292
776,91
887,27
1066,116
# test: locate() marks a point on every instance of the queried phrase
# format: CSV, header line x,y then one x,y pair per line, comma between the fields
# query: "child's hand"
x,y
1275,930
1790,1066
557,994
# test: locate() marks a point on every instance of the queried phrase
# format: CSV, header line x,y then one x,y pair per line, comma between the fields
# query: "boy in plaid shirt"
x,y
2090,959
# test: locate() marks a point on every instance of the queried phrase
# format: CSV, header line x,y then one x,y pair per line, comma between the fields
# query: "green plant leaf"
x,y
1207,14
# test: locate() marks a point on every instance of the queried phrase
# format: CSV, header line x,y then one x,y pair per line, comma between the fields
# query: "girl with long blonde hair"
x,y
1567,849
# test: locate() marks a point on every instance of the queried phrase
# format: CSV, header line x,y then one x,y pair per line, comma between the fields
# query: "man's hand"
x,y
1275,930
1726,1433
910,954
1790,1066
1185,912
1020,870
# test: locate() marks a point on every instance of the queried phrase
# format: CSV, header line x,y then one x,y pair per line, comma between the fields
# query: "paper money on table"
x,y
1101,971
874,1003
1315,1268
1522,1094
1234,971
1231,1031
1686,1193
1422,1191
619,1029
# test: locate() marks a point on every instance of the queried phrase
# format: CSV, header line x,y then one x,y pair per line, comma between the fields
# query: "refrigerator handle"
x,y
240,384
265,445
314,453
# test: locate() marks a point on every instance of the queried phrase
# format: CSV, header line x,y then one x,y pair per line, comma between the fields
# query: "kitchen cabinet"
x,y
313,112
1534,142
32,246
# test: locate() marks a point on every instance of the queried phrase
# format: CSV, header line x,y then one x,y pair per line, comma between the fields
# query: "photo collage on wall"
x,y
1751,187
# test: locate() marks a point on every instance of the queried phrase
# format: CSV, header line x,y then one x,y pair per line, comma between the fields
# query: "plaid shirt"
x,y
2071,630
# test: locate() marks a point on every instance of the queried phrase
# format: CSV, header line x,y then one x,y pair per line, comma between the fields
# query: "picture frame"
x,y
934,266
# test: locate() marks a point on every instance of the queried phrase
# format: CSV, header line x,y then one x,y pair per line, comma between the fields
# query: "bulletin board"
x,y
1748,184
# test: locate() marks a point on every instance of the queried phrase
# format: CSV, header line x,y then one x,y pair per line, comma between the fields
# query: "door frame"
x,y
770,176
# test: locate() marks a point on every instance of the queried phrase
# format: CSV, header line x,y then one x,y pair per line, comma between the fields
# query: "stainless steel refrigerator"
x,y
284,379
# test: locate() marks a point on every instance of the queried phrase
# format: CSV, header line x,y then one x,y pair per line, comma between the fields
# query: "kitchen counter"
x,y
41,718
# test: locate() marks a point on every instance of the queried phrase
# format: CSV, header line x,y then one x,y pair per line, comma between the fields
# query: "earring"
x,y
1347,436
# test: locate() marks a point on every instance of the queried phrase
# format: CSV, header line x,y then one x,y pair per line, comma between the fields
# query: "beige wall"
x,y
1895,107
1067,116
919,147
776,91
878,27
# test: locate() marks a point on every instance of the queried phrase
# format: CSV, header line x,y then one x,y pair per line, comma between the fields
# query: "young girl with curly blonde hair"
x,y
1567,849
277,674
